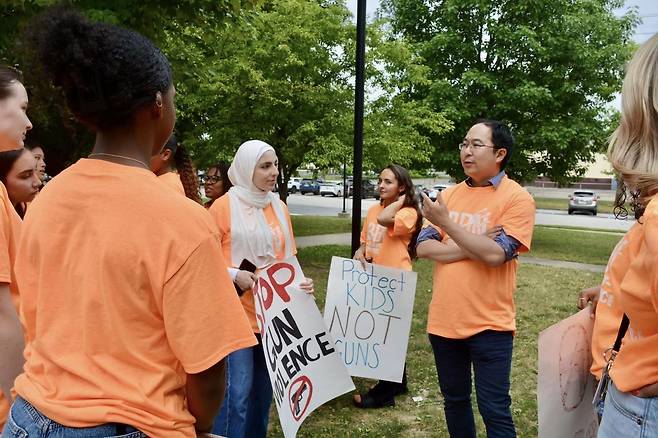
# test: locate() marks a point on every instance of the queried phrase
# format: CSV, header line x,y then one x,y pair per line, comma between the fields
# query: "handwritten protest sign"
x,y
565,387
304,368
368,312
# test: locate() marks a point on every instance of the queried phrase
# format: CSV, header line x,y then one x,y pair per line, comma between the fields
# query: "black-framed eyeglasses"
x,y
474,146
213,179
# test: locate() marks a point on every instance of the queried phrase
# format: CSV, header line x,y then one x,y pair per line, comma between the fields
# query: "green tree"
x,y
397,128
54,127
549,68
279,75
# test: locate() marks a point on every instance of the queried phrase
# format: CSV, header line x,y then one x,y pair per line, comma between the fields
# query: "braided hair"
x,y
183,164
106,72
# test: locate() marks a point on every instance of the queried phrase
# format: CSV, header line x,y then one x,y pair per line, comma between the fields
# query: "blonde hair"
x,y
633,149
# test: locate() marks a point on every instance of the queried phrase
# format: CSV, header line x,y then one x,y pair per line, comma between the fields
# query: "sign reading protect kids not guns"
x,y
368,312
304,368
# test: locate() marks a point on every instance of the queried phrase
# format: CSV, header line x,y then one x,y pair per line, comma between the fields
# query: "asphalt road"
x,y
328,206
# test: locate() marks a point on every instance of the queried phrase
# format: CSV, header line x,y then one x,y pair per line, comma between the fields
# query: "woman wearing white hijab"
x,y
254,225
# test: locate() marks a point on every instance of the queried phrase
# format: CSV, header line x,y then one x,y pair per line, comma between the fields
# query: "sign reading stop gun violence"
x,y
304,368
368,312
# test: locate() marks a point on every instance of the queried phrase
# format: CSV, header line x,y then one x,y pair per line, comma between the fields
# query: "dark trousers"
x,y
385,390
490,355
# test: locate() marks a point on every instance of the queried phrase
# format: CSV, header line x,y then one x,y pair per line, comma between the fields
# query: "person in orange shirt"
x,y
20,175
482,224
128,309
14,125
631,402
254,225
173,165
388,238
217,182
603,300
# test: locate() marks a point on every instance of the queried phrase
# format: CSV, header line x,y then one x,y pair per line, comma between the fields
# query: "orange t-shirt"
x,y
608,313
172,180
121,299
388,246
468,296
637,363
10,224
220,210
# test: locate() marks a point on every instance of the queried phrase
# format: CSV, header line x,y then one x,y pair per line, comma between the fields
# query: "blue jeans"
x,y
490,355
627,415
246,409
25,420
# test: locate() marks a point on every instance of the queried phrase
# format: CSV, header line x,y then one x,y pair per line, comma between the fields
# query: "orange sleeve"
x,y
292,235
5,260
651,242
518,220
404,222
203,317
364,229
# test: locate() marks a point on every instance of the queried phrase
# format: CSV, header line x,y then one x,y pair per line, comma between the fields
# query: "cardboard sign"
x,y
368,312
304,368
565,386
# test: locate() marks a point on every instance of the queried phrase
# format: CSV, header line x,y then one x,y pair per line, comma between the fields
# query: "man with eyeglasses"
x,y
477,229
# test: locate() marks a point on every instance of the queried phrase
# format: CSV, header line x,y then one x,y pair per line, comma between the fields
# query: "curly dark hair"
x,y
411,199
183,164
8,76
106,72
187,173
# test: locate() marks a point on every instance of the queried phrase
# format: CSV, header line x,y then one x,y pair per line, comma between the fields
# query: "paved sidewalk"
x,y
346,239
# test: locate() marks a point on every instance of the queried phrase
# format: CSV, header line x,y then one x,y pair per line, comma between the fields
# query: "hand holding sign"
x,y
368,312
305,370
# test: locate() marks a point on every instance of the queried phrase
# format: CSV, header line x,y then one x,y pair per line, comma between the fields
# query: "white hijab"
x,y
251,237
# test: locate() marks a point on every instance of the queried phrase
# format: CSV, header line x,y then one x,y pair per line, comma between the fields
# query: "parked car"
x,y
583,200
368,189
294,185
309,186
331,188
437,188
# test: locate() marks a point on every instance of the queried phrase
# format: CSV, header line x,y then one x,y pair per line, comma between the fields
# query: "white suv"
x,y
331,188
293,185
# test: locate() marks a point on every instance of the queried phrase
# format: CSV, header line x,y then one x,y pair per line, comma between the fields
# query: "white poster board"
x,y
565,387
304,368
368,313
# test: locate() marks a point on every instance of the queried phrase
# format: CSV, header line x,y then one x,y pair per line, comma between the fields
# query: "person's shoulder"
x,y
515,190
407,211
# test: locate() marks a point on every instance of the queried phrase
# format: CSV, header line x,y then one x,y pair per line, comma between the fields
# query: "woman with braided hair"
x,y
174,167
127,305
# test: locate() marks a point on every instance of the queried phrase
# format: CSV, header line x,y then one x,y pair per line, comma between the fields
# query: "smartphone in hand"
x,y
245,265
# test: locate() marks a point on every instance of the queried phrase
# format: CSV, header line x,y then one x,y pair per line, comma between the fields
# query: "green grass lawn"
x,y
544,296
313,225
563,204
569,244
573,245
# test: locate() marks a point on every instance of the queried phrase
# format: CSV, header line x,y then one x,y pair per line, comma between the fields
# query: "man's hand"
x,y
436,212
493,232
